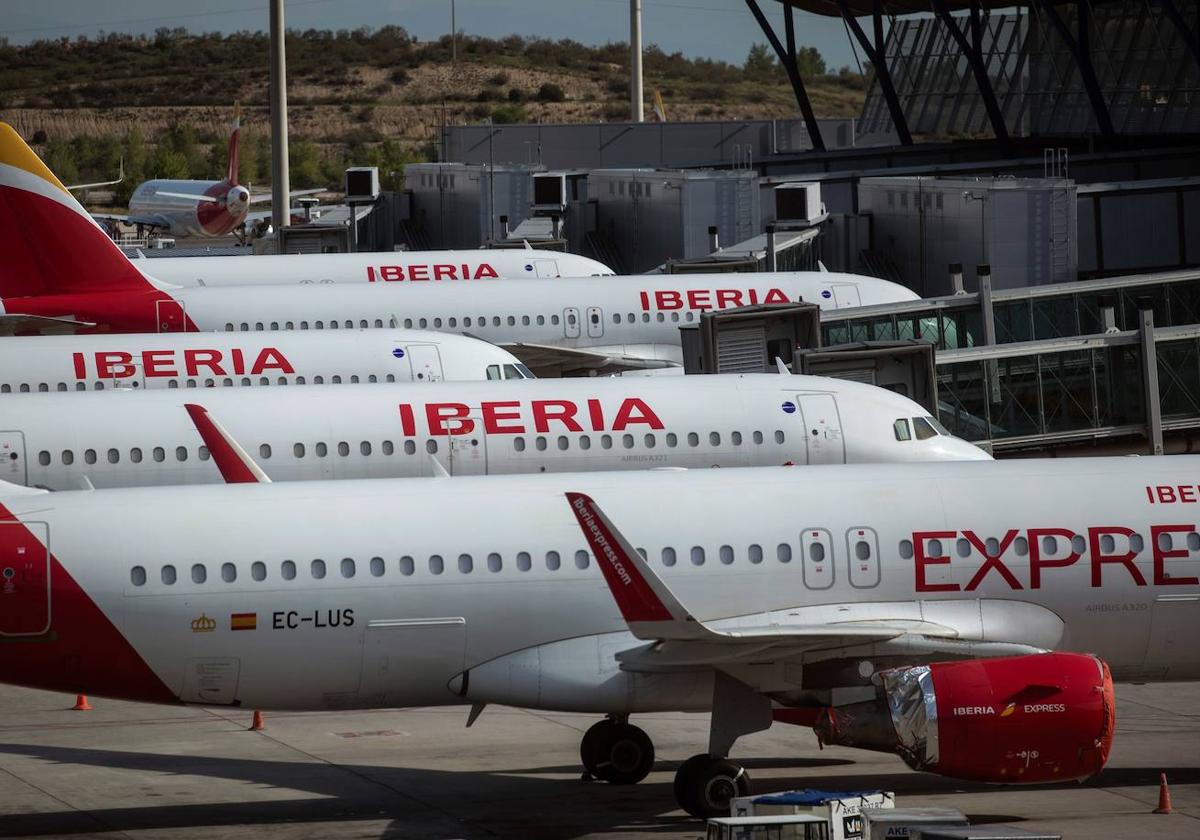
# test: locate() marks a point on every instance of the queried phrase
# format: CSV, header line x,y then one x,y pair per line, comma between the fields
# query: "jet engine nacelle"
x,y
1015,720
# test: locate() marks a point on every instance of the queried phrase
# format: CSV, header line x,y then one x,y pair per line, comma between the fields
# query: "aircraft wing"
x,y
17,324
134,219
260,198
549,358
681,641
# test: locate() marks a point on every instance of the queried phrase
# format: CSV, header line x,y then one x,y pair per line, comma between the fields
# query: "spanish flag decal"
x,y
243,621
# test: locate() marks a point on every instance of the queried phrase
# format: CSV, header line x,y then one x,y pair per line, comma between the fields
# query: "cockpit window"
x,y
924,428
493,372
937,424
900,427
518,371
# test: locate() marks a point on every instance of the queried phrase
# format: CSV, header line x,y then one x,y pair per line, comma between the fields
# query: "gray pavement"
x,y
139,771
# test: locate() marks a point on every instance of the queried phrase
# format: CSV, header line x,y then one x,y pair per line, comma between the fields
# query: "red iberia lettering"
x,y
239,360
418,272
992,561
407,426
634,410
114,364
1037,562
271,359
445,272
1099,557
562,410
775,296
485,270
440,415
922,560
80,369
193,359
497,414
1170,494
668,299
699,299
153,363
728,298
1162,555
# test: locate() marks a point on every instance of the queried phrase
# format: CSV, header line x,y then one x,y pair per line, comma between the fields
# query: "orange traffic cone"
x,y
81,704
257,724
1164,795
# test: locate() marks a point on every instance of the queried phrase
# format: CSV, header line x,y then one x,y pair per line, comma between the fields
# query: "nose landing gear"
x,y
617,752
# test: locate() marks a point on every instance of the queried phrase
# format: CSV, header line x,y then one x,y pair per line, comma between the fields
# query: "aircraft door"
x,y
862,557
571,322
426,363
546,268
816,556
595,322
468,450
846,294
822,428
409,662
12,457
24,578
169,316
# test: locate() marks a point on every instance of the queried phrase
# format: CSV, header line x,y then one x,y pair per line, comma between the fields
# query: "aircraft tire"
x,y
683,785
712,786
617,753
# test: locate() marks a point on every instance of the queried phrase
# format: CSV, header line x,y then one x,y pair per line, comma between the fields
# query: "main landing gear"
x,y
615,751
706,784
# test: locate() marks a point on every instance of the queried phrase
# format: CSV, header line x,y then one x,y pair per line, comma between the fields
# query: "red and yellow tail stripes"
x,y
50,243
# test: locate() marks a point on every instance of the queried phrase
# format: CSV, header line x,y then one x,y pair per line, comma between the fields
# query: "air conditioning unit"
x,y
798,205
362,184
549,190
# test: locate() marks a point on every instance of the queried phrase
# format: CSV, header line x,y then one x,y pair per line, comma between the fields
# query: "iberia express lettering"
x,y
1108,550
669,299
119,364
513,417
437,271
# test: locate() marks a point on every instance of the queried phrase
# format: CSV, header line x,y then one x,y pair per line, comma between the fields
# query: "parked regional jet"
x,y
208,360
547,425
197,208
68,275
370,267
908,608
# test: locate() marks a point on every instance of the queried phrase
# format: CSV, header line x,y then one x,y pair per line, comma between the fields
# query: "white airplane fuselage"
x,y
634,316
191,360
388,593
382,267
548,425
217,209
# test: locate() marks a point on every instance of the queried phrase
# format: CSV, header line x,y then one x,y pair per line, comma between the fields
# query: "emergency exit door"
x,y
846,294
468,450
24,578
571,322
426,363
546,268
822,428
12,457
169,316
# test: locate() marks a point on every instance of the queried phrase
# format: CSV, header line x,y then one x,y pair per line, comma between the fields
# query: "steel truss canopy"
x,y
1013,67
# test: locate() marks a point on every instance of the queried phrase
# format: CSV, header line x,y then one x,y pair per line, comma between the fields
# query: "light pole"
x,y
281,199
453,35
636,113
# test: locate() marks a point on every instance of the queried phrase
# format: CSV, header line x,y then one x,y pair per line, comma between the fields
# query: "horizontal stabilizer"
x,y
17,324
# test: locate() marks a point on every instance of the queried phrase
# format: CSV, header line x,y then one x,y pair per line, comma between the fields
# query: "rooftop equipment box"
x,y
362,184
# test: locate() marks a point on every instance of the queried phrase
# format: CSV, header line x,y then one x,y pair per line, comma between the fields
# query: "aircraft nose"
x,y
957,449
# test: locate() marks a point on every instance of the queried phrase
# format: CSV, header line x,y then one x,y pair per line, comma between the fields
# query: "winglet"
x,y
648,606
235,465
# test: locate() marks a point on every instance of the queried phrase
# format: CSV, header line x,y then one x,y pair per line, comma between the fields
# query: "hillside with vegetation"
x,y
164,103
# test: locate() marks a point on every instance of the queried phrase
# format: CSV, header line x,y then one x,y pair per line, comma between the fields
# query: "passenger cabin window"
x,y
900,428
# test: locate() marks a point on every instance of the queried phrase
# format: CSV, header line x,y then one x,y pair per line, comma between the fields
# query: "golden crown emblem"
x,y
204,624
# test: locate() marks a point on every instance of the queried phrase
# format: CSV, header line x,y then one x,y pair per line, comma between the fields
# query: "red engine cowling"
x,y
1015,720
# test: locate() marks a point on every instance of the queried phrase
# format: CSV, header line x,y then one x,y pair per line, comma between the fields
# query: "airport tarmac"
x,y
140,771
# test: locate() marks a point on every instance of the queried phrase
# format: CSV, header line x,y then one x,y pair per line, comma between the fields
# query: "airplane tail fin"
x,y
231,174
50,244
